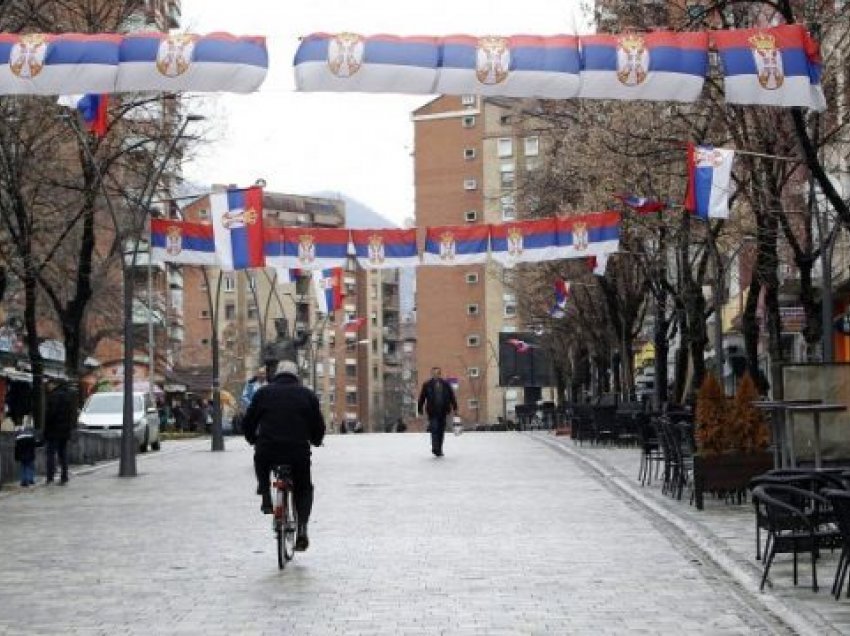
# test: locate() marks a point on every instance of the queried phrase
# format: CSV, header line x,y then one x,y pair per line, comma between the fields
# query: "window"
x,y
230,311
469,154
252,313
204,215
532,164
505,147
472,278
473,340
470,216
469,121
508,205
472,404
470,184
473,372
507,175
467,100
202,286
205,342
472,309
510,310
229,283
351,399
374,373
350,371
504,120
205,313
531,146
375,316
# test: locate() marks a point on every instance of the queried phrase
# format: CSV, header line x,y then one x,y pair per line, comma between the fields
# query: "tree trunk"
x,y
750,327
31,323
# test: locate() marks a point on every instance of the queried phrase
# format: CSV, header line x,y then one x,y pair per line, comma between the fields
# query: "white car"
x,y
104,412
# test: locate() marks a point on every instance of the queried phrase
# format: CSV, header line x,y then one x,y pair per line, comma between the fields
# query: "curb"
x,y
800,620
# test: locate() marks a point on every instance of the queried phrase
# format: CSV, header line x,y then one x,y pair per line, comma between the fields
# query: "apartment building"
x,y
471,156
353,373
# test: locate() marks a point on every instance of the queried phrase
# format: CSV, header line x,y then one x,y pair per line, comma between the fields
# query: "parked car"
x,y
104,413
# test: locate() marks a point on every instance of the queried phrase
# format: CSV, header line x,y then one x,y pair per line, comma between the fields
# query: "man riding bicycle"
x,y
283,419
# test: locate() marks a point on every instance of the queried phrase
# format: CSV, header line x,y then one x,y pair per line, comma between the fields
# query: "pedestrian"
x,y
250,388
196,416
437,400
25,445
283,420
60,418
19,401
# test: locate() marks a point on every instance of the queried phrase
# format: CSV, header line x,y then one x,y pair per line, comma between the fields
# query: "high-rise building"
x,y
471,154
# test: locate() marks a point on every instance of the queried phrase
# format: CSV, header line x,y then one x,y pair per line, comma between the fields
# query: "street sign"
x,y
842,324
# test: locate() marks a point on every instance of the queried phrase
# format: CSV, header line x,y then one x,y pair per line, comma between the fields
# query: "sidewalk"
x,y
726,534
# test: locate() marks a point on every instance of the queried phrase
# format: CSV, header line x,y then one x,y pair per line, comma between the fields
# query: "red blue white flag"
x,y
641,205
58,64
182,242
778,66
308,248
385,248
588,235
237,216
709,181
93,109
529,241
327,285
353,325
456,245
178,62
656,66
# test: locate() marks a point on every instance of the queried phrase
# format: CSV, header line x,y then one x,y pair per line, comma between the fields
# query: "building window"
x,y
230,311
229,283
473,372
531,146
507,175
374,373
508,205
252,313
472,278
204,215
205,313
532,164
510,310
470,216
350,371
472,309
202,286
469,121
505,147
469,154
473,340
472,404
467,100
470,184
205,342
504,120
351,399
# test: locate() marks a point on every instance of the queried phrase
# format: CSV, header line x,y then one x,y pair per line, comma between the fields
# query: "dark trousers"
x,y
266,458
52,448
437,426
28,472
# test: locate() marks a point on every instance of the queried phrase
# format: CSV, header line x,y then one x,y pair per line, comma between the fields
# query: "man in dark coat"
x,y
19,401
60,418
438,400
282,421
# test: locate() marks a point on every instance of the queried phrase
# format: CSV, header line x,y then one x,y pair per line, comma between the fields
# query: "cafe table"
x,y
815,410
781,455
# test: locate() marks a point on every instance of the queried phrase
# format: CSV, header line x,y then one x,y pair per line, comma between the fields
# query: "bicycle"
x,y
284,516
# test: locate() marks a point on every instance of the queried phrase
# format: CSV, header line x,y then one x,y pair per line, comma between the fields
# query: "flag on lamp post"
x,y
238,226
92,108
327,284
353,325
709,181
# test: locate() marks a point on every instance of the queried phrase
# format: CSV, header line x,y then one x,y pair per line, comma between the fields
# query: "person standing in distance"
x,y
438,400
282,421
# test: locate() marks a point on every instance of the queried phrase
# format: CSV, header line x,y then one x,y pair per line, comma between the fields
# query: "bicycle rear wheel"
x,y
279,507
289,523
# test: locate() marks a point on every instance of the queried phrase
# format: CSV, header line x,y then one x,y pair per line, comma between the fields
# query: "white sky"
x,y
354,144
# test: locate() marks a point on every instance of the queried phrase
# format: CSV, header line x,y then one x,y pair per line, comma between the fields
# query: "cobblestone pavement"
x,y
501,536
728,531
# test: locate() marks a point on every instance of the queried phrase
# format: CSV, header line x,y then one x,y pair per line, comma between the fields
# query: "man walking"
x,y
438,400
59,420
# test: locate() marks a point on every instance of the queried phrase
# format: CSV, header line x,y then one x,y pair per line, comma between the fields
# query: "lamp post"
x,y
127,462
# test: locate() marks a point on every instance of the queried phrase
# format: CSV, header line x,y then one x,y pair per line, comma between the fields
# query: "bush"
x,y
724,426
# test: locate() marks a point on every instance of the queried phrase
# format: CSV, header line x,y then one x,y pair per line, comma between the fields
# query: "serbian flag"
x,y
308,248
385,249
456,245
353,325
778,66
657,66
562,294
588,235
92,108
327,284
709,181
512,66
287,276
598,264
529,241
58,63
372,64
238,227
177,62
182,242
641,205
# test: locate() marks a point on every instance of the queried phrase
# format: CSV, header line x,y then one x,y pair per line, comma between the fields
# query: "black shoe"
x,y
302,541
438,453
64,480
47,481
266,507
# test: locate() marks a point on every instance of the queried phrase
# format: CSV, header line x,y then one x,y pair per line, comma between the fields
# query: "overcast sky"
x,y
354,144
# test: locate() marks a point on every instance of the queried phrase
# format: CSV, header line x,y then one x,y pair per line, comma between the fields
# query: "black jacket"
x,y
25,445
284,414
60,417
427,399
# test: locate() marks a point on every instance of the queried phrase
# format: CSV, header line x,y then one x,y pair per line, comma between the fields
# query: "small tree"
x,y
712,417
748,430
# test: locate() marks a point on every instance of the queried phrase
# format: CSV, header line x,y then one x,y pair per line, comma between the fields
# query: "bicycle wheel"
x,y
279,531
289,523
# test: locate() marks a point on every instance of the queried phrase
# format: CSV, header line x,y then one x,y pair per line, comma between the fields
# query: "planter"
x,y
728,472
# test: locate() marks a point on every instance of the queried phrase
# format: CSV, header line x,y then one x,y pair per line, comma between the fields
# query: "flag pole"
x,y
217,442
